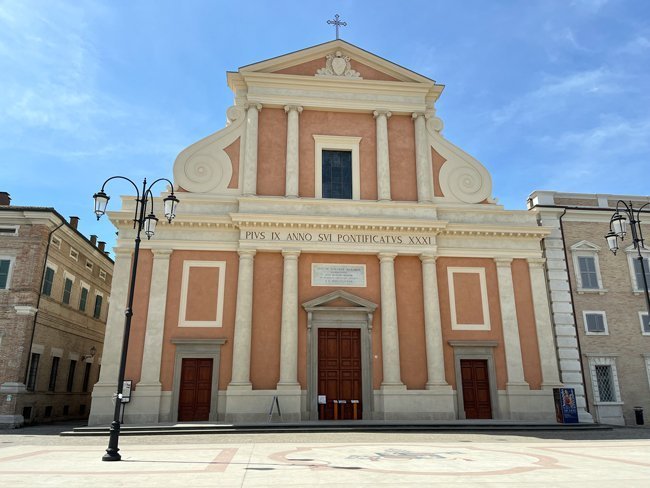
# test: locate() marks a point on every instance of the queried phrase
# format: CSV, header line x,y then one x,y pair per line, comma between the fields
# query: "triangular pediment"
x,y
631,248
585,246
366,65
339,300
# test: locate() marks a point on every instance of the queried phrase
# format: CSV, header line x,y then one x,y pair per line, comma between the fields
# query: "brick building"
x,y
599,311
54,290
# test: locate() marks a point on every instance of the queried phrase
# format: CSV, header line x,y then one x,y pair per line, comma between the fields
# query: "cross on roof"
x,y
336,22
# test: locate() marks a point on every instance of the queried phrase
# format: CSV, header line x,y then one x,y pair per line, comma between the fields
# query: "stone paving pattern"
x,y
37,456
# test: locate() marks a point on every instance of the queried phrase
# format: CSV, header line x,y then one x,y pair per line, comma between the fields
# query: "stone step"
x,y
332,426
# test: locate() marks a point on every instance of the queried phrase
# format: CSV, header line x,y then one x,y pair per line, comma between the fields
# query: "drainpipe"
x,y
38,302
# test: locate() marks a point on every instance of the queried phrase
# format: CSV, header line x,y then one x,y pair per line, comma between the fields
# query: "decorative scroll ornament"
x,y
233,113
204,167
462,178
338,65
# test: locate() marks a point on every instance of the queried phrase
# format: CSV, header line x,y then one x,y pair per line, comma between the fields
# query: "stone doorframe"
x,y
475,350
195,349
346,311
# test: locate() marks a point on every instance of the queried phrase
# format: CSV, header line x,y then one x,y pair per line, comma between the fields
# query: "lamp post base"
x,y
111,456
112,451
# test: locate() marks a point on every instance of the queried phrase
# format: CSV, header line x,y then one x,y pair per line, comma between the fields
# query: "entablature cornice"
x,y
336,84
245,221
335,94
124,220
534,232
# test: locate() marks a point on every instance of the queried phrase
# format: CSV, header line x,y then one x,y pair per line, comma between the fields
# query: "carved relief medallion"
x,y
338,64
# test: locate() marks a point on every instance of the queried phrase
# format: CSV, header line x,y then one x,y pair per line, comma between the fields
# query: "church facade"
x,y
334,256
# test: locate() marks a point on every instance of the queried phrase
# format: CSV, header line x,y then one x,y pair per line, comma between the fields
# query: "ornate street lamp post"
x,y
618,230
141,222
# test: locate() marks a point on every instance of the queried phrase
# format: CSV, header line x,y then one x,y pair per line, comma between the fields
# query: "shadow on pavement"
x,y
54,428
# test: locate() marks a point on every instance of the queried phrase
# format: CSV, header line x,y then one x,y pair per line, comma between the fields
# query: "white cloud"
x,y
588,158
614,136
639,45
49,66
52,99
554,92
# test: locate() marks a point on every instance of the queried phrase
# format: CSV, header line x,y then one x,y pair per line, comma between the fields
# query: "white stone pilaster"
x,y
241,356
423,170
145,408
289,331
250,149
293,160
432,324
383,162
389,332
112,350
511,342
153,339
543,327
101,408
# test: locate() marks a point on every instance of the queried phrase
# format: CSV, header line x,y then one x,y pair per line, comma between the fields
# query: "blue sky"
x,y
547,94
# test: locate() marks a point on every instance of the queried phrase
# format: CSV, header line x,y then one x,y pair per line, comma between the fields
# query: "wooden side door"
x,y
476,388
195,389
339,373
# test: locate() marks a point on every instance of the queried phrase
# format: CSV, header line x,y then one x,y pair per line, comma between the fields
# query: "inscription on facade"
x,y
337,238
338,275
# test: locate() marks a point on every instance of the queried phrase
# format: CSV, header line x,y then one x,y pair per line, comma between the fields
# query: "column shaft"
x,y
289,331
153,339
383,162
241,356
293,161
543,326
389,333
250,154
511,341
432,323
423,171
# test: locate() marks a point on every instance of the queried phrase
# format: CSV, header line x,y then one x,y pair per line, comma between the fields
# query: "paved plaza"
x,y
37,456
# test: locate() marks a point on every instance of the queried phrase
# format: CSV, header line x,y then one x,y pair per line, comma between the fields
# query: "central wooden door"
x,y
476,388
339,373
195,390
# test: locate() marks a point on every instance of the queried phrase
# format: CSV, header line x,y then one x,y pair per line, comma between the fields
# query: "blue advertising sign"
x,y
566,409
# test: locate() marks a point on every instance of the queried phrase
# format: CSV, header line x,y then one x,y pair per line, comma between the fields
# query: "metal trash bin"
x,y
638,414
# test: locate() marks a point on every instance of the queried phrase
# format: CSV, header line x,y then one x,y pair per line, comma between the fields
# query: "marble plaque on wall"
x,y
338,275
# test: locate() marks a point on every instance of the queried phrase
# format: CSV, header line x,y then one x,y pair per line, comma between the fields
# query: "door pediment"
x,y
339,300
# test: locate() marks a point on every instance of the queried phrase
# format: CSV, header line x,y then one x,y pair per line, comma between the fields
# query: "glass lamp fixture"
x,y
612,241
618,224
171,203
150,222
101,200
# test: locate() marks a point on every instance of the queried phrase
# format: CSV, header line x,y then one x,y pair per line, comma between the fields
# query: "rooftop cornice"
x,y
49,216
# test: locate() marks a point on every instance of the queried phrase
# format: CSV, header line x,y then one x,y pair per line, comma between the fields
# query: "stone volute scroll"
x,y
204,167
462,177
338,65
